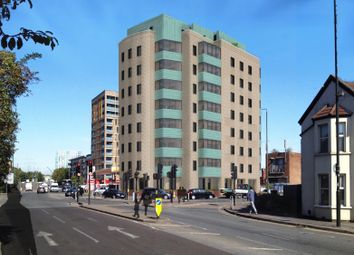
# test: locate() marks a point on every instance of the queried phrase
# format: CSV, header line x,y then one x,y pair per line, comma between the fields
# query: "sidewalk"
x,y
3,198
241,209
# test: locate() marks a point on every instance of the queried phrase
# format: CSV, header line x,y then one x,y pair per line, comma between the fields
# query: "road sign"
x,y
158,206
10,178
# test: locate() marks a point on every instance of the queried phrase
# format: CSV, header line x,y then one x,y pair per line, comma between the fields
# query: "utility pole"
x,y
266,163
337,117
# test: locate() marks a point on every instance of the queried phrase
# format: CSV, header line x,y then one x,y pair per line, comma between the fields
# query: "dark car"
x,y
200,193
66,187
113,193
152,193
70,192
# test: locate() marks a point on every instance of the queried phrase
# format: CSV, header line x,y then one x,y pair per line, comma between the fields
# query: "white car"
x,y
99,191
54,187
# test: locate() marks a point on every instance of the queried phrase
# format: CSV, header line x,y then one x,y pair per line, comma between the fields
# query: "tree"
x,y
16,40
60,174
15,78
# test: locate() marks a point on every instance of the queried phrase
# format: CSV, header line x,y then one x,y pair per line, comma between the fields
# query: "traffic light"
x,y
174,171
77,168
159,170
90,166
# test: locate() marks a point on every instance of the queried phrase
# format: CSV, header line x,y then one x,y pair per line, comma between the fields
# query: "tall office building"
x,y
190,97
104,131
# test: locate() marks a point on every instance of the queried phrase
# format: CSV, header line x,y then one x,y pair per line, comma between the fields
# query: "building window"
x,y
122,93
122,148
129,91
205,67
195,69
138,51
249,102
232,97
241,151
249,169
241,66
129,72
250,86
138,108
241,168
232,149
241,100
249,136
241,116
129,165
122,111
168,84
194,165
232,62
129,128
194,50
194,146
129,109
129,53
232,132
138,165
324,189
250,70
209,49
232,114
122,165
168,104
168,123
208,124
194,108
341,134
138,70
194,88
212,88
210,144
168,45
249,119
249,152
138,146
241,134
168,142
241,83
232,79
129,147
342,189
122,75
168,64
138,89
194,127
138,127
122,57
323,130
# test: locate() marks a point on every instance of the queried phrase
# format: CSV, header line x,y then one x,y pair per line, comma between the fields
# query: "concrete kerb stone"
x,y
297,224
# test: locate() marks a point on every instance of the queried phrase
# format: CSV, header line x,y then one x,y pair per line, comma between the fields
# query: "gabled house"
x,y
318,149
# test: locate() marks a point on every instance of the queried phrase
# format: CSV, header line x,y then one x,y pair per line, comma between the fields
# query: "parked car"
x,y
66,187
152,193
226,192
113,193
70,192
99,191
28,186
200,193
41,189
54,187
242,190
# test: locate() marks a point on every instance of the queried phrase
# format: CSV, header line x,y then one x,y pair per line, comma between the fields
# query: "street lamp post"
x,y
266,163
337,116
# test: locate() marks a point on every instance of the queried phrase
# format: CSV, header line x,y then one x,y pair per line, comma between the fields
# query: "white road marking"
x,y
264,249
204,233
45,211
91,219
120,230
46,236
88,236
58,219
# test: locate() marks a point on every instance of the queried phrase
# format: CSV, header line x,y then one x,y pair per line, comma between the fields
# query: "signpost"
x,y
158,206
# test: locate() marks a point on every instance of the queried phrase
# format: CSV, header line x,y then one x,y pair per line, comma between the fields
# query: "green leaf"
x,y
4,41
19,43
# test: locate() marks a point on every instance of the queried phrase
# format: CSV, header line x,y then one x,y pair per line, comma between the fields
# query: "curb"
x,y
303,225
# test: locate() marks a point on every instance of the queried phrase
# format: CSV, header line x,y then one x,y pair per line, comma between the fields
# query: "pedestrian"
x,y
136,208
179,194
251,197
146,202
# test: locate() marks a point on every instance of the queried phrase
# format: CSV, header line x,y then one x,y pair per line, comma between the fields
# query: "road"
x,y
199,227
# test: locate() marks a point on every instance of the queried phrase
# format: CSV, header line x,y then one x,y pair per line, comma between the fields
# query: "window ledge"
x,y
330,207
324,154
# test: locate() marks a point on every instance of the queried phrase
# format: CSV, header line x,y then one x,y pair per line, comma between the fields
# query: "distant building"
x,y
82,163
62,158
318,147
188,97
284,167
104,134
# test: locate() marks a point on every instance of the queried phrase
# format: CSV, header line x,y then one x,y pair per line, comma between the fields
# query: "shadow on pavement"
x,y
16,235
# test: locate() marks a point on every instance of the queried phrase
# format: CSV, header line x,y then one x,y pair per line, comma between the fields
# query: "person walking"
x,y
179,194
251,197
146,202
136,208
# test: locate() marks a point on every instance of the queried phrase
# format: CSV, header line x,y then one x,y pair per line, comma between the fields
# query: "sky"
x,y
293,39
